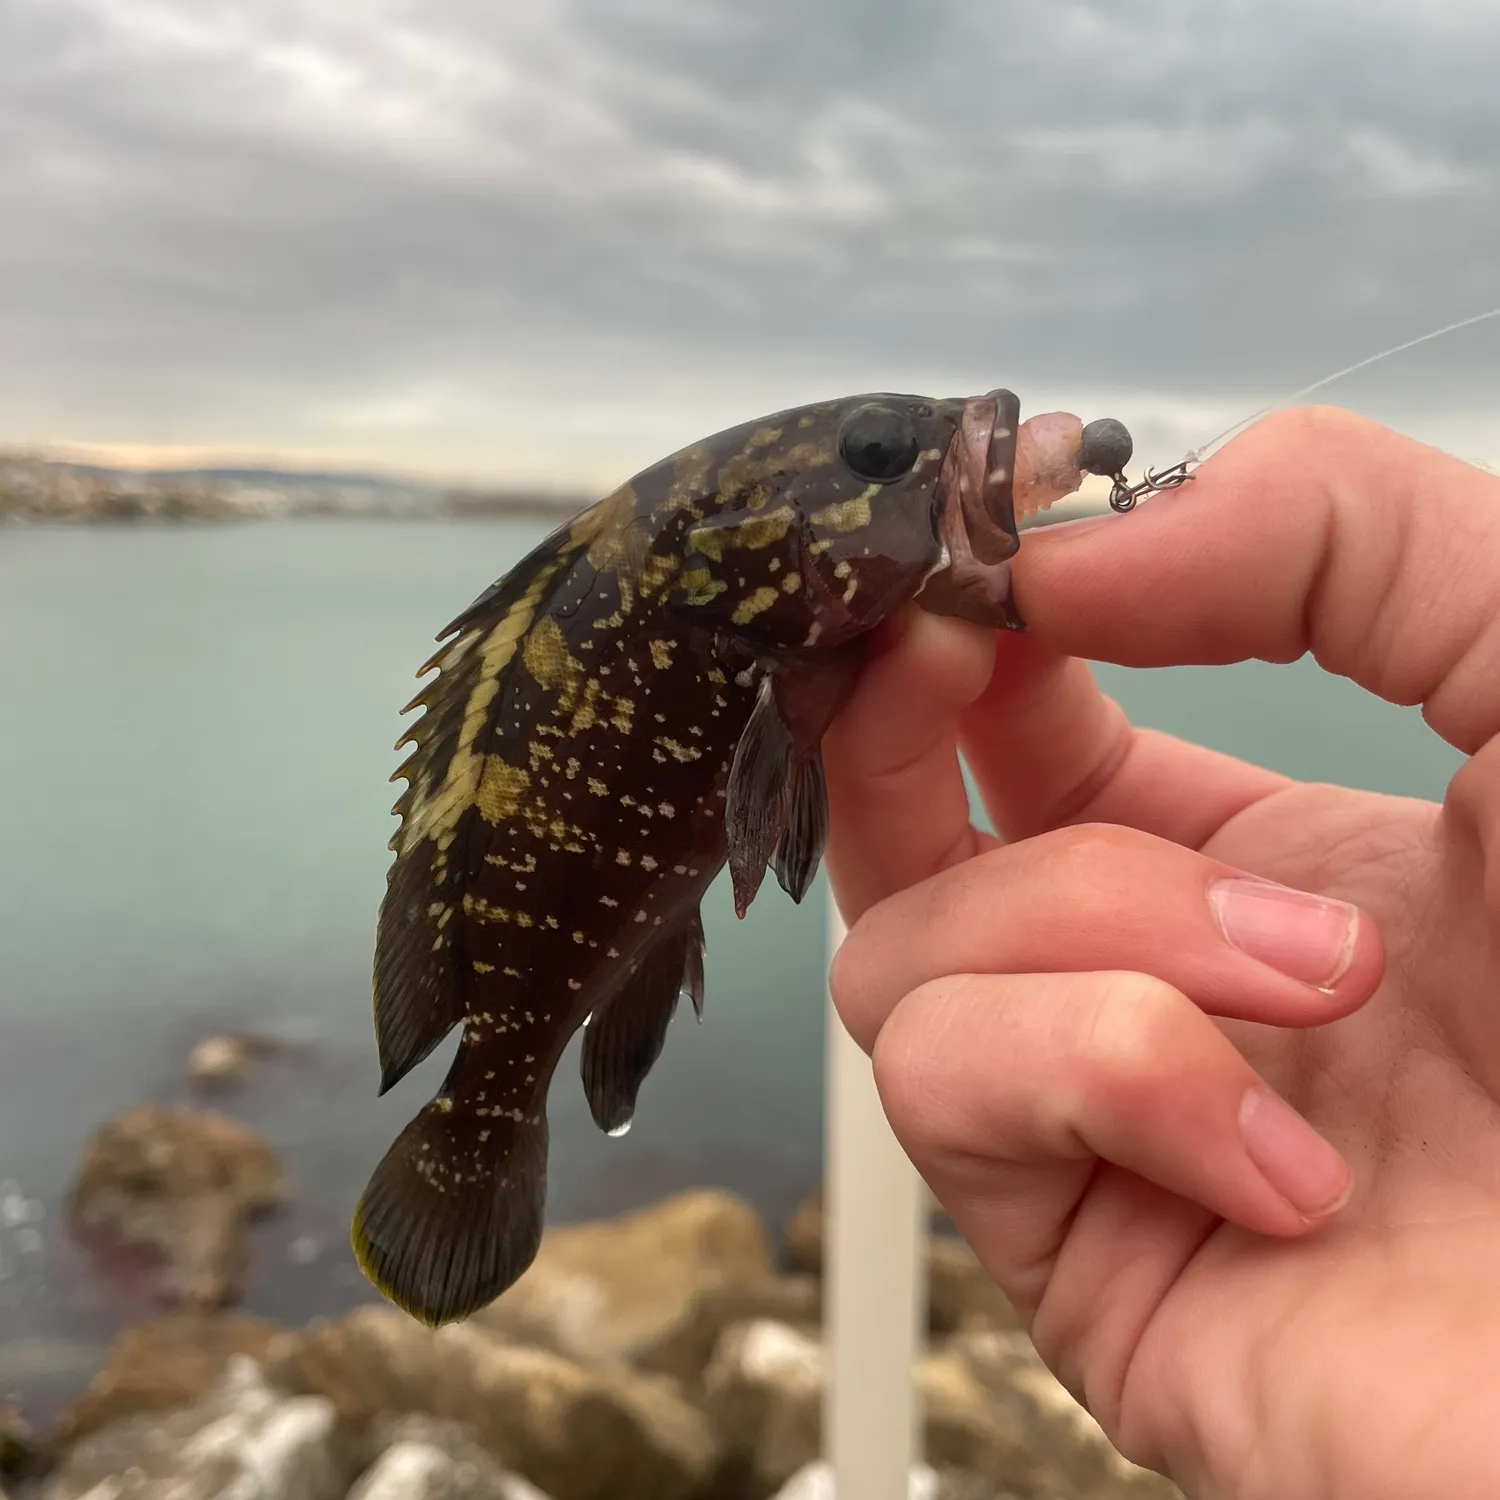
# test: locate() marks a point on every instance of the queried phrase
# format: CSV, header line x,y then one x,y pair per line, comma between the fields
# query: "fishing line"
x,y
1124,496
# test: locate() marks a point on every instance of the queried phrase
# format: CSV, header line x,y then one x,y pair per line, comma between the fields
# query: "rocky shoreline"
x,y
673,1353
42,492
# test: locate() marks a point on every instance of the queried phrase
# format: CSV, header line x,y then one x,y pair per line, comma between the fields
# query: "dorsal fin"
x,y
418,999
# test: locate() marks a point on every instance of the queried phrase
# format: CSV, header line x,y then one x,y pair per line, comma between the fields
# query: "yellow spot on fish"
x,y
661,654
846,515
622,857
547,657
480,967
758,603
684,753
501,787
701,587
791,583
751,534
597,787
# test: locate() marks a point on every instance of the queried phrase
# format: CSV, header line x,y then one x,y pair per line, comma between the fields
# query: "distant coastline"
x,y
41,491
46,492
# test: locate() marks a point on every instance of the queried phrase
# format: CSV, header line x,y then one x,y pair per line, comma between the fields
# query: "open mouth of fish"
x,y
999,471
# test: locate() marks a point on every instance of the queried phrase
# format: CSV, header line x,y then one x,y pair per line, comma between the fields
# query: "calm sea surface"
x,y
195,736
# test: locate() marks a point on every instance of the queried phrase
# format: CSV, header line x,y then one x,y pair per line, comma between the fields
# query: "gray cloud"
x,y
558,239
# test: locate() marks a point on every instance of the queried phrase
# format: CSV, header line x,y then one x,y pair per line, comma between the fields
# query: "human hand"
x,y
1082,1036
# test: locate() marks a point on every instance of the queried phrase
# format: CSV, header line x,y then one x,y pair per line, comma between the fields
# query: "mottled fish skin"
x,y
570,788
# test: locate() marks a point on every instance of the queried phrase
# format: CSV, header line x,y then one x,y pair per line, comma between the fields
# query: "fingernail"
x,y
1304,936
1292,1156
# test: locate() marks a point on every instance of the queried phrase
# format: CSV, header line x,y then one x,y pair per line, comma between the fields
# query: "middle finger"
x,y
1095,897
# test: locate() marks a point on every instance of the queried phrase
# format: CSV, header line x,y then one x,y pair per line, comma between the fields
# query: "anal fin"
x,y
623,1041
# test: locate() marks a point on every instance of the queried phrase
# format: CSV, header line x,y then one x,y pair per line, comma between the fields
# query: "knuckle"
x,y
1131,1028
917,1066
1087,850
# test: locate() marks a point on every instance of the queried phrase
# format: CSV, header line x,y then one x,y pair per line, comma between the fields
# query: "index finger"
x,y
1313,531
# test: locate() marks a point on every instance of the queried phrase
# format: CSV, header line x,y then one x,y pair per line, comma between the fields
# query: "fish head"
x,y
819,522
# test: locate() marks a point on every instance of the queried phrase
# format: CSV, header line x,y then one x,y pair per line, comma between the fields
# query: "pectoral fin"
x,y
758,796
623,1041
800,847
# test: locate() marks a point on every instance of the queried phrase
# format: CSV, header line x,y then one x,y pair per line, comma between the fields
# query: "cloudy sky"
x,y
552,241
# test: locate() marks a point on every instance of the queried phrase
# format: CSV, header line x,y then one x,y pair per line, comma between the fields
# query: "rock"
x,y
684,1349
965,1428
164,1365
960,1292
614,1289
802,1238
245,1441
1079,1459
420,1458
218,1062
601,1433
18,1454
815,1482
764,1391
182,1186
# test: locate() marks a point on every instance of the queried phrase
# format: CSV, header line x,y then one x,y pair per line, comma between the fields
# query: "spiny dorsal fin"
x,y
418,996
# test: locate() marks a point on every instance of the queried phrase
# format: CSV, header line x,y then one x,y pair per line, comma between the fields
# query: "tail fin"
x,y
453,1213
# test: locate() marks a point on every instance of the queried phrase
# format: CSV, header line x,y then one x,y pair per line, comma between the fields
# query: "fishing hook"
x,y
1124,494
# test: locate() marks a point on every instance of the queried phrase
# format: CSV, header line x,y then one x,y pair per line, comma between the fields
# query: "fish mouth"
x,y
977,519
983,456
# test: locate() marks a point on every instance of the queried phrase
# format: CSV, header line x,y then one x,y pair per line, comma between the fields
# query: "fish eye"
x,y
878,442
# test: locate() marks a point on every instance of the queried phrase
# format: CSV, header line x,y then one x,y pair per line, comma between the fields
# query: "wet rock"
x,y
245,1441
601,1433
219,1062
162,1365
960,1292
420,1458
181,1186
617,1288
1078,1459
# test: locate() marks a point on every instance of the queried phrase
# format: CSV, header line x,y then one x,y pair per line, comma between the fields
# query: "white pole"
x,y
874,1281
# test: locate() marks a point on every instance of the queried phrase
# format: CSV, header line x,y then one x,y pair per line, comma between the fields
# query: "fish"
x,y
636,704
